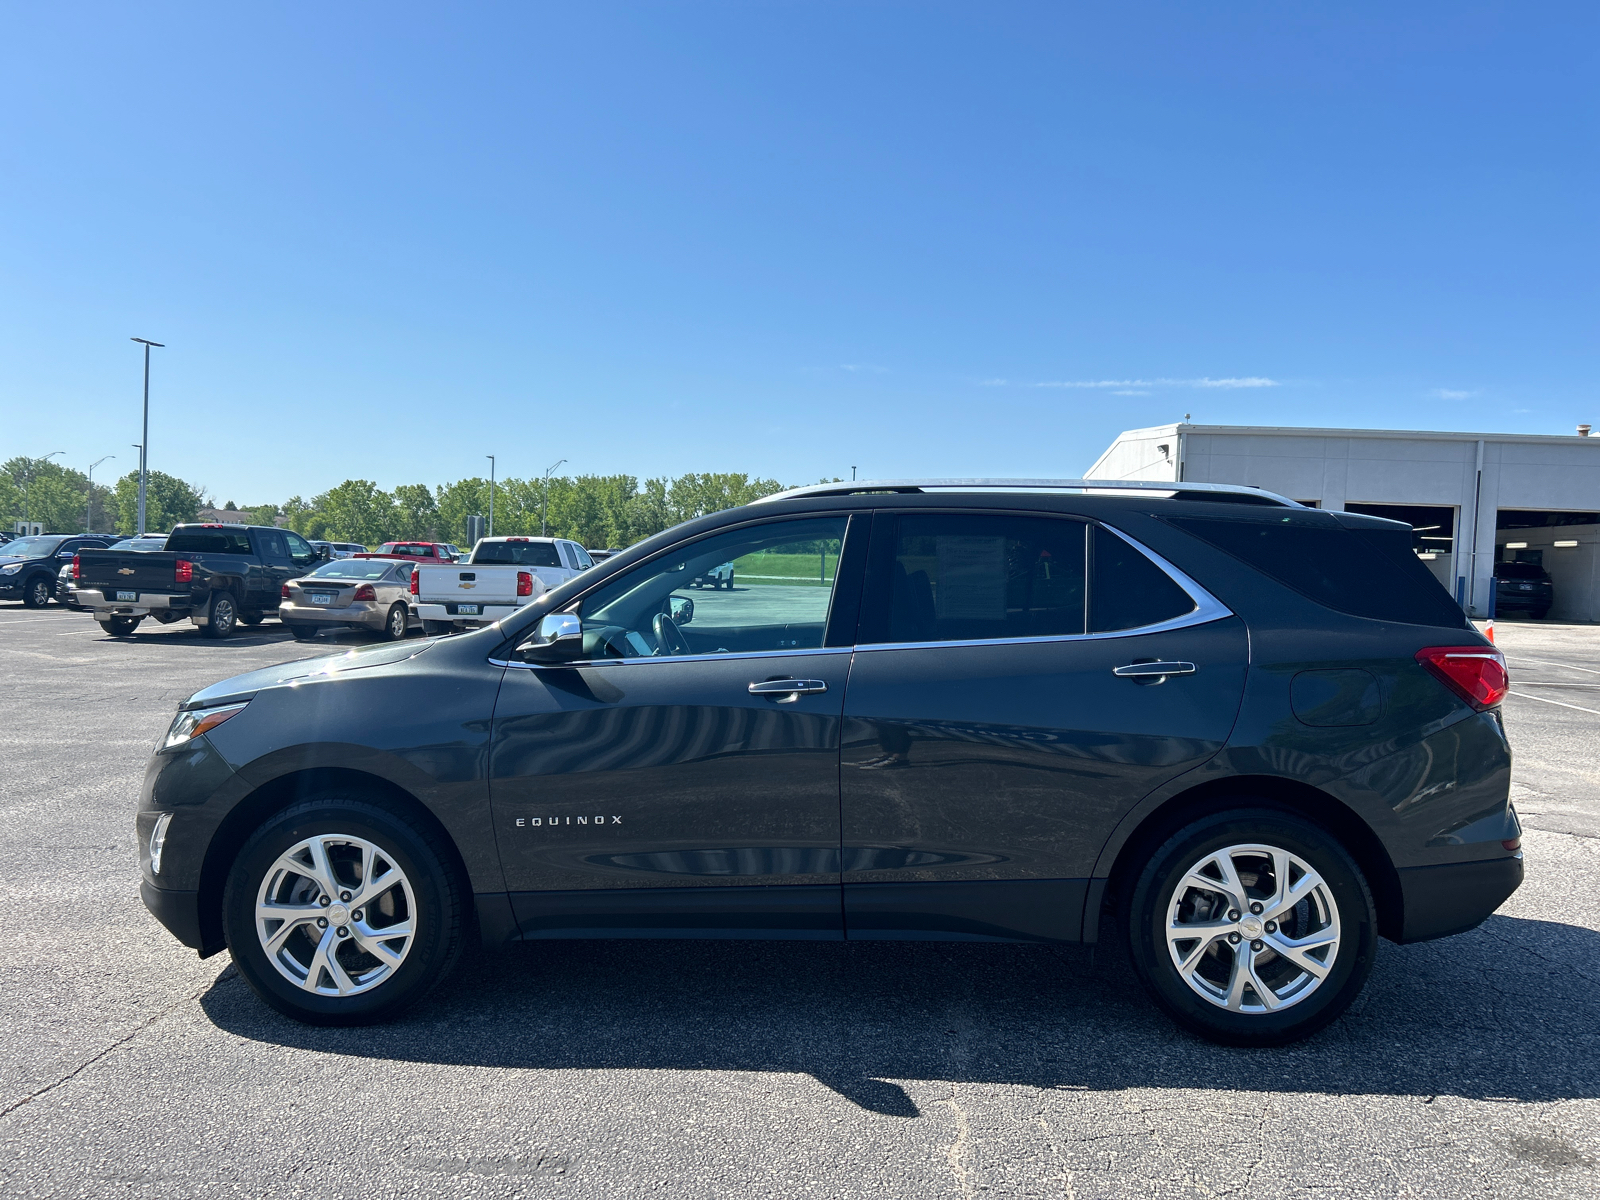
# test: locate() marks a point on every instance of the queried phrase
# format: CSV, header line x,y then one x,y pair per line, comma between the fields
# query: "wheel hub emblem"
x,y
1251,927
340,915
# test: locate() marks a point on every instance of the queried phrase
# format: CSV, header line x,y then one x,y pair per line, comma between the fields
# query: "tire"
x,y
251,617
437,628
1237,1012
223,616
394,624
312,973
727,584
122,626
302,633
1539,614
36,592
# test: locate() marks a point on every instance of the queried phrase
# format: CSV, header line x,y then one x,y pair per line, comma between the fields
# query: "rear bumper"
x,y
1455,897
94,600
365,613
448,612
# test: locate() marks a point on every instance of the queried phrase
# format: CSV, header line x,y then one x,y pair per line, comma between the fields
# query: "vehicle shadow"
x,y
1508,1011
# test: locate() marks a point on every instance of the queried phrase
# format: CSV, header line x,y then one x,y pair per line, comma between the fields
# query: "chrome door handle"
x,y
788,689
1147,669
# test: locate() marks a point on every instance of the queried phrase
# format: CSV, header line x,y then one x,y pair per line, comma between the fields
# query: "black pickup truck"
x,y
215,575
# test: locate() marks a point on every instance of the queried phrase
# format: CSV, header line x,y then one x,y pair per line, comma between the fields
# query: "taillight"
x,y
366,592
183,571
1475,673
524,583
414,591
283,593
75,566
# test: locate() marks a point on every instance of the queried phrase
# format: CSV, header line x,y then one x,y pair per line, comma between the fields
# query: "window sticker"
x,y
972,579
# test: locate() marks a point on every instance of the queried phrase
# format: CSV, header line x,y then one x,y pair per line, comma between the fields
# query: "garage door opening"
x,y
1532,546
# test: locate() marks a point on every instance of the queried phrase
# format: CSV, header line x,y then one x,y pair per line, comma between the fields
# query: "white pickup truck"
x,y
502,574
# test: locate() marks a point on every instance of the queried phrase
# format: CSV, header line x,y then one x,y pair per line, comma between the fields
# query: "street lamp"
x,y
544,501
88,516
852,474
27,480
490,457
144,472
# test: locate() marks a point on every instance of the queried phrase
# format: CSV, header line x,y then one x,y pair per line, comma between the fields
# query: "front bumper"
x,y
178,911
1455,897
367,614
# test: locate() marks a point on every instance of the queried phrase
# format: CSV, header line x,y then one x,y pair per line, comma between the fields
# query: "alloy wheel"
x,y
1252,928
336,915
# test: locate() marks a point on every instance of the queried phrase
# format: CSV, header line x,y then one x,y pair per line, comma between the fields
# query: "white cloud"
x,y
1450,394
1247,381
1130,392
993,382
868,367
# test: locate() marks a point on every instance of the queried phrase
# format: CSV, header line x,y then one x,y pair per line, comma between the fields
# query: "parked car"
x,y
30,567
1523,587
215,575
421,552
602,555
502,575
1260,736
719,576
373,594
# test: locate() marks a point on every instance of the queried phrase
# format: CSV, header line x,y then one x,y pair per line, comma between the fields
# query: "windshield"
x,y
31,547
139,545
1519,570
353,568
523,554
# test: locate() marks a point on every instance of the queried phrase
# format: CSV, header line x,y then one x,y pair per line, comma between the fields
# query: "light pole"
x,y
852,474
144,439
27,512
544,500
88,516
490,457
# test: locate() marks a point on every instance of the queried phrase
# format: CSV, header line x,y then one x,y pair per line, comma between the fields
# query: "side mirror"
x,y
558,639
682,610
325,553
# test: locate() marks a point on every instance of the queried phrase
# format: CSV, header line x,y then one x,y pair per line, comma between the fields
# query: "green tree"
x,y
169,501
693,496
358,510
41,490
260,514
459,500
416,513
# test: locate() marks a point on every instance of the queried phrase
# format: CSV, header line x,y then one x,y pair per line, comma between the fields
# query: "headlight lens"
x,y
11,570
187,726
158,841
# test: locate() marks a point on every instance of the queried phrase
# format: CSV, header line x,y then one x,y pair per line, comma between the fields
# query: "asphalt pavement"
x,y
132,1068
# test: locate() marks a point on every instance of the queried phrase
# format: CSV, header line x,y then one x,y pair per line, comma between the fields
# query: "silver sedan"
x,y
351,593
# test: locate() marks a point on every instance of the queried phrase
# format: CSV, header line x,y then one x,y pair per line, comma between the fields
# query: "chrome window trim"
x,y
674,658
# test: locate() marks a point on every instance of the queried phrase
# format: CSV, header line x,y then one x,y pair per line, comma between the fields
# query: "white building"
x,y
1474,498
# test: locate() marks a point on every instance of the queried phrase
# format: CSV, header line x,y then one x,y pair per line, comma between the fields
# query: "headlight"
x,y
11,570
158,841
187,726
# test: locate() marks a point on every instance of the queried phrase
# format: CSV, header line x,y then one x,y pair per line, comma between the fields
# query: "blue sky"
x,y
382,241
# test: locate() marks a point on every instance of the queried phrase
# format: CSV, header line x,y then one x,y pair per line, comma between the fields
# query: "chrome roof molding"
x,y
859,487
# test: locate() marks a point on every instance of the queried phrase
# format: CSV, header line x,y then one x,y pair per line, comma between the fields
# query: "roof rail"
x,y
910,486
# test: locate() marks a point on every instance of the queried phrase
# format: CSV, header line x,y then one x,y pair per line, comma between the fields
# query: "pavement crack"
x,y
960,1150
116,1045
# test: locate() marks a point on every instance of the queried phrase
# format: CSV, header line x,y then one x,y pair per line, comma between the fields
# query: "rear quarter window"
x,y
1365,572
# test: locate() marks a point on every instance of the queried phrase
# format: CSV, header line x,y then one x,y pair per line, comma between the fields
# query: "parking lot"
x,y
1471,1066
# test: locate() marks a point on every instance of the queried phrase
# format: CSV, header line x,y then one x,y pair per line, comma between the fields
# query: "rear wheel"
x,y
1252,927
122,626
339,912
394,625
223,616
36,593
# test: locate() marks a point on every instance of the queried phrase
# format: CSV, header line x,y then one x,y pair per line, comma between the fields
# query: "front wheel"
x,y
339,912
37,592
1252,928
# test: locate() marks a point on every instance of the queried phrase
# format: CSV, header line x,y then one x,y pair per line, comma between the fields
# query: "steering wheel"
x,y
669,638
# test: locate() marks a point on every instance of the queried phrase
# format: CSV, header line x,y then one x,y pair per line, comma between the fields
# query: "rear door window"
x,y
948,577
1129,591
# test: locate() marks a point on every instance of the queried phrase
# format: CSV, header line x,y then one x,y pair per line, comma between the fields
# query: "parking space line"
x,y
1541,663
1558,703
